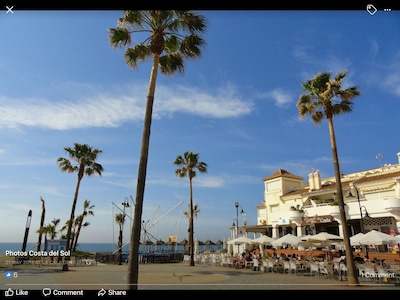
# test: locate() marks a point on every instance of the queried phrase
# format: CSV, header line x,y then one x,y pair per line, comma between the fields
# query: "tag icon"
x,y
371,9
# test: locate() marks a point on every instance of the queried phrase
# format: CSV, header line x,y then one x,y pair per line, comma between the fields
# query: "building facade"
x,y
291,205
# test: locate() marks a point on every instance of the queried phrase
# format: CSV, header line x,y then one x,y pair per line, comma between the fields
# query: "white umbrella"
x,y
288,239
305,237
240,240
196,246
324,237
263,240
375,237
355,239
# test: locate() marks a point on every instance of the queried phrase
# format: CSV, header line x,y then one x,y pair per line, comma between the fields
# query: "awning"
x,y
257,228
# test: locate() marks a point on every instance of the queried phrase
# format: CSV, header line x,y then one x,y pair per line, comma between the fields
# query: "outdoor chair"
x,y
276,267
330,270
336,269
248,264
293,267
256,265
314,268
286,267
361,271
224,261
229,261
382,274
343,271
323,271
215,260
205,260
267,266
370,273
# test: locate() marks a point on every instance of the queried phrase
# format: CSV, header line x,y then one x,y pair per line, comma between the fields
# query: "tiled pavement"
x,y
173,276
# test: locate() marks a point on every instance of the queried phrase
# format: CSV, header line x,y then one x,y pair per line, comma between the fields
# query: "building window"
x,y
309,230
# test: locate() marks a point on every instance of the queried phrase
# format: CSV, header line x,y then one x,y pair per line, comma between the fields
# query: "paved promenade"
x,y
171,276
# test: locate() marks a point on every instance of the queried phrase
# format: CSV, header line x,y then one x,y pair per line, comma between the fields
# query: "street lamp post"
x,y
349,194
237,205
364,216
237,219
234,225
125,204
27,226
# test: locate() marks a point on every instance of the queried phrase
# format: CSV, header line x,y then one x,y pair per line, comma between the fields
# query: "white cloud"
x,y
209,181
106,110
280,97
100,111
224,104
392,83
200,181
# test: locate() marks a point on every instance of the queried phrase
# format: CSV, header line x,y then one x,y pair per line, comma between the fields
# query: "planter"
x,y
295,215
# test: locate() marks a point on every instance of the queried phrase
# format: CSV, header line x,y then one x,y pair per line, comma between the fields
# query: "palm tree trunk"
x,y
39,244
120,245
72,217
71,220
133,268
191,232
351,268
78,231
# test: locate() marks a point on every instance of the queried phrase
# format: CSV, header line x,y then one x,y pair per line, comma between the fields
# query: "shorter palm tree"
x,y
50,230
189,162
196,211
120,220
82,161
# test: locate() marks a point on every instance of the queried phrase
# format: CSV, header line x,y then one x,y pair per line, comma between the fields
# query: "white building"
x,y
372,199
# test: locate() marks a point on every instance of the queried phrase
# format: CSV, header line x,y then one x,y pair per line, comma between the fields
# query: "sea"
x,y
111,247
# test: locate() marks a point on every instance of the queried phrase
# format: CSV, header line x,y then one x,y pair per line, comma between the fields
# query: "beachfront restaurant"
x,y
291,205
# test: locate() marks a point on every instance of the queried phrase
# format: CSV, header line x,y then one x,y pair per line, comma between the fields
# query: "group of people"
x,y
240,260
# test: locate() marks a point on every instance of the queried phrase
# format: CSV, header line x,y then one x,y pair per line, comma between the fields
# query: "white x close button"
x,y
9,9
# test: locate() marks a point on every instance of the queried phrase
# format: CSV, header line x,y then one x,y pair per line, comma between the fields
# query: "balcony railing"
x,y
391,204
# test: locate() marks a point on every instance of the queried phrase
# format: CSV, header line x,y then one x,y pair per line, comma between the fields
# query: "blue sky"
x,y
62,83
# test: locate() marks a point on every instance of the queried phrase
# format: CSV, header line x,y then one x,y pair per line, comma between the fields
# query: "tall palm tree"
x,y
85,158
189,162
87,210
173,37
120,220
42,217
326,99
